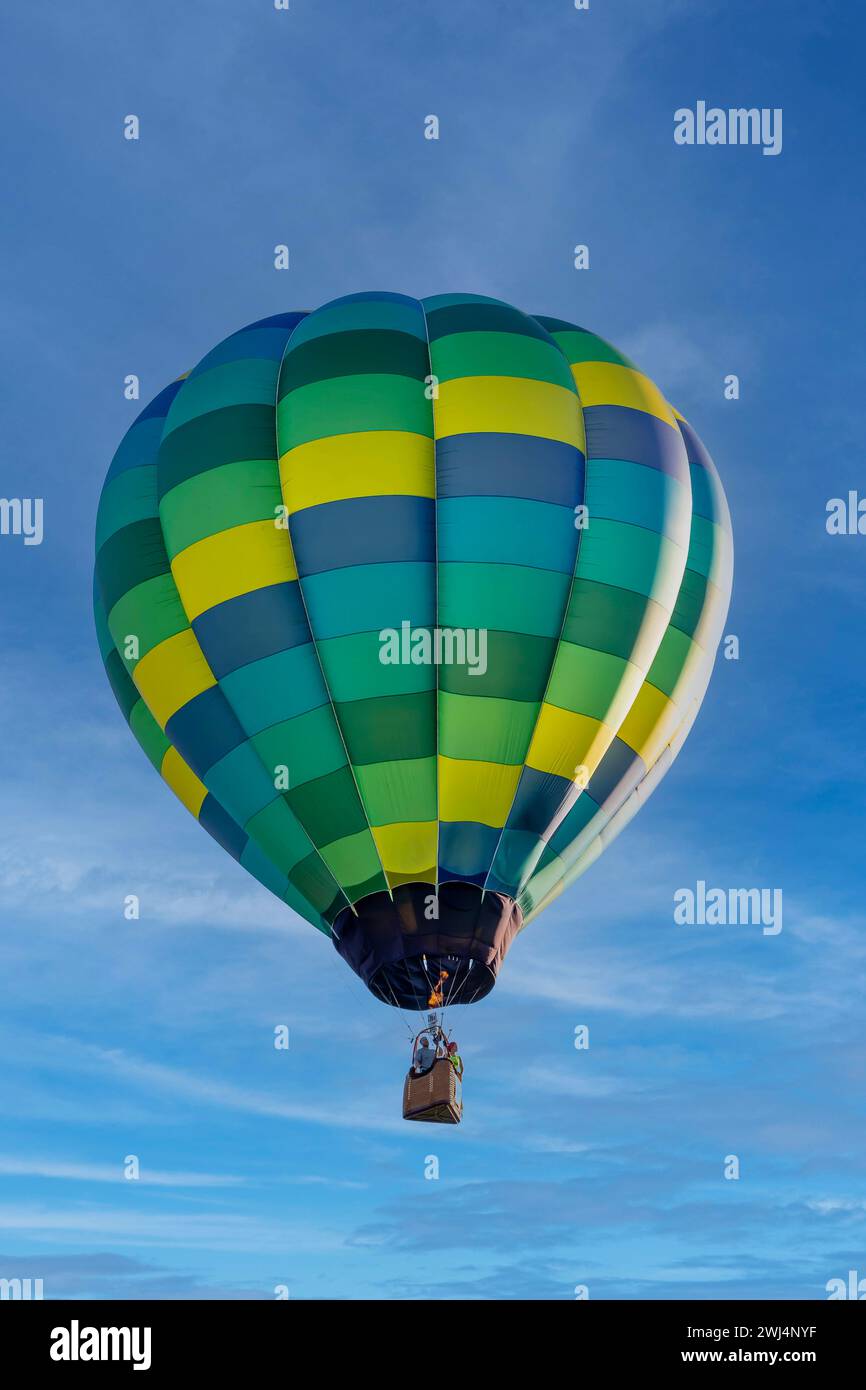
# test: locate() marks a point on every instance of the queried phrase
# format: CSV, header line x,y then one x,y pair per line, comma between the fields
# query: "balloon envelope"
x,y
412,603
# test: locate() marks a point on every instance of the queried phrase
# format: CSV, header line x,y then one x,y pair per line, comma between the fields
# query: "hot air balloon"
x,y
412,603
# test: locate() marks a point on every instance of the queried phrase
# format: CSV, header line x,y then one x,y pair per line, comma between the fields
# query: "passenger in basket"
x,y
455,1059
425,1056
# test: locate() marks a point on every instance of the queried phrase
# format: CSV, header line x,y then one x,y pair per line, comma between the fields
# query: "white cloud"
x,y
108,1172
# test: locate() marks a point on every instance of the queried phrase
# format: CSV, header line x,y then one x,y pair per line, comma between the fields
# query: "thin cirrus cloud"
x,y
108,1173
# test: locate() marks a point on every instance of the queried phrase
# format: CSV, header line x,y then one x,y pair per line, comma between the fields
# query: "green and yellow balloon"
x,y
412,603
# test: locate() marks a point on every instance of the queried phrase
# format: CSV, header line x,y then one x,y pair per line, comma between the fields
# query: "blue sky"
x,y
600,1167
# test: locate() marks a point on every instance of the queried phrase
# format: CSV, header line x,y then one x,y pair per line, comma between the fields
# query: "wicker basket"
x,y
435,1096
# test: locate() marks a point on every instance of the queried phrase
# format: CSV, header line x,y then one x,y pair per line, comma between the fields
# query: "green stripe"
x,y
347,354
670,660
152,611
223,436
400,791
689,606
580,346
485,730
149,734
351,404
124,691
631,557
389,727
129,557
328,807
614,620
585,681
501,354
518,665
508,598
474,317
232,495
309,745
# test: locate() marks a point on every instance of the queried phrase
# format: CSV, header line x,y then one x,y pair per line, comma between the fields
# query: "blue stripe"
x,y
137,449
513,465
363,531
618,432
160,404
252,626
620,763
465,850
539,799
218,823
289,320
267,343
204,730
257,863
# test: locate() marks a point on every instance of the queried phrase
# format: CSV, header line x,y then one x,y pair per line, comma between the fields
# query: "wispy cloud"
x,y
11,1167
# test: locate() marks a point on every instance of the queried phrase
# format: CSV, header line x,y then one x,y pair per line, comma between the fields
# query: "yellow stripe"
x,y
407,848
508,405
607,383
171,674
476,791
646,727
425,875
183,781
373,463
232,562
564,742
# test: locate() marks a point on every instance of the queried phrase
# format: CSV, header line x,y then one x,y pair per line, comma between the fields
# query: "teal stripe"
x,y
242,785
497,530
251,381
617,490
631,557
366,598
507,598
131,496
346,318
275,688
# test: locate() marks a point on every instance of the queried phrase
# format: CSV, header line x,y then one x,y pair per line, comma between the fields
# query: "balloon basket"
x,y
435,1097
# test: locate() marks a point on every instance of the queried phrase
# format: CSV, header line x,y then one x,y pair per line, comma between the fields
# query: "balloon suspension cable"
x,y
427,978
411,980
361,994
459,989
400,1011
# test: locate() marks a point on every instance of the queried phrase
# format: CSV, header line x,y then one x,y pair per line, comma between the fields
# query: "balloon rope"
x,y
366,996
447,1001
397,1006
409,976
